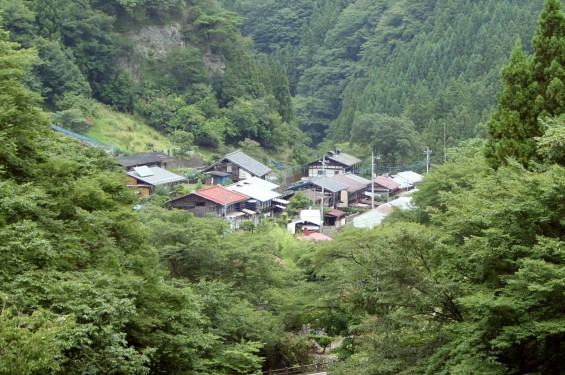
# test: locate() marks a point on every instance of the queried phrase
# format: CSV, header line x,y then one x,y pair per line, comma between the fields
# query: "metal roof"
x,y
335,212
411,177
386,182
254,191
248,163
255,188
352,185
375,217
342,158
144,159
329,184
221,195
258,182
157,176
312,216
359,179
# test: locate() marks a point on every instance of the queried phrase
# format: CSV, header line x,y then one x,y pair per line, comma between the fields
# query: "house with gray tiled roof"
x,y
336,162
239,166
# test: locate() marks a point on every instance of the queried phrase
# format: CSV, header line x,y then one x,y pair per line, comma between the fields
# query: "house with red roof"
x,y
215,200
385,184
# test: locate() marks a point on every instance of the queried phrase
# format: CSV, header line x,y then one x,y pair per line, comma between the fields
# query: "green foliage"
x,y
551,145
322,340
532,89
297,202
395,139
72,119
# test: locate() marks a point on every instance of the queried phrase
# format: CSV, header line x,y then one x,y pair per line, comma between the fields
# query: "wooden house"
x,y
385,184
215,200
336,162
355,191
146,179
239,166
260,192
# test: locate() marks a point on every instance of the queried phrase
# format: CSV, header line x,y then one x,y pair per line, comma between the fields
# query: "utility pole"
x,y
427,152
372,180
322,198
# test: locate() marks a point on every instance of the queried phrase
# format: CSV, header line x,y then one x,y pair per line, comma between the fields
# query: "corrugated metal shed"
x,y
157,176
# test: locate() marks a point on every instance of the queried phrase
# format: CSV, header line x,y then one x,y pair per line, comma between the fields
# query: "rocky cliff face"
x,y
155,42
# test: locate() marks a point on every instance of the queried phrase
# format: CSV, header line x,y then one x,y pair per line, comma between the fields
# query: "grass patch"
x,y
127,133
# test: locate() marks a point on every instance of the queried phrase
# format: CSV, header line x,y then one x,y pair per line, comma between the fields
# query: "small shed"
x,y
334,218
144,176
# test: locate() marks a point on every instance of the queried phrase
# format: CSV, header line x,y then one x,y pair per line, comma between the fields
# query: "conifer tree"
x,y
533,88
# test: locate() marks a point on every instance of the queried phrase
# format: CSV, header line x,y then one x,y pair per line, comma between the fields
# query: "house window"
x,y
337,171
228,168
320,172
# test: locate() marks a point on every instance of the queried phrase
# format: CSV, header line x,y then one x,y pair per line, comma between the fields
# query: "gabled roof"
x,y
144,159
352,185
312,216
246,162
329,184
411,177
216,194
336,213
343,158
221,195
339,157
386,182
155,175
254,191
257,182
359,179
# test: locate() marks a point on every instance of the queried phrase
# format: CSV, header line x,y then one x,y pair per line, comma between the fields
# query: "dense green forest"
x,y
182,67
428,68
470,281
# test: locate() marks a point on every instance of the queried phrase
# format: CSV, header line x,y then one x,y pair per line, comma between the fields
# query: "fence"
x,y
82,138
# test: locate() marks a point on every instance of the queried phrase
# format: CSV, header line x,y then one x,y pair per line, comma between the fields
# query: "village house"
x,y
261,194
332,189
309,221
375,217
354,192
336,162
408,179
145,179
215,200
385,184
238,166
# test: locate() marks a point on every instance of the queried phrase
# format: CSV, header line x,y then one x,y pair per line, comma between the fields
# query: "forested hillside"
x,y
182,67
94,280
429,67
